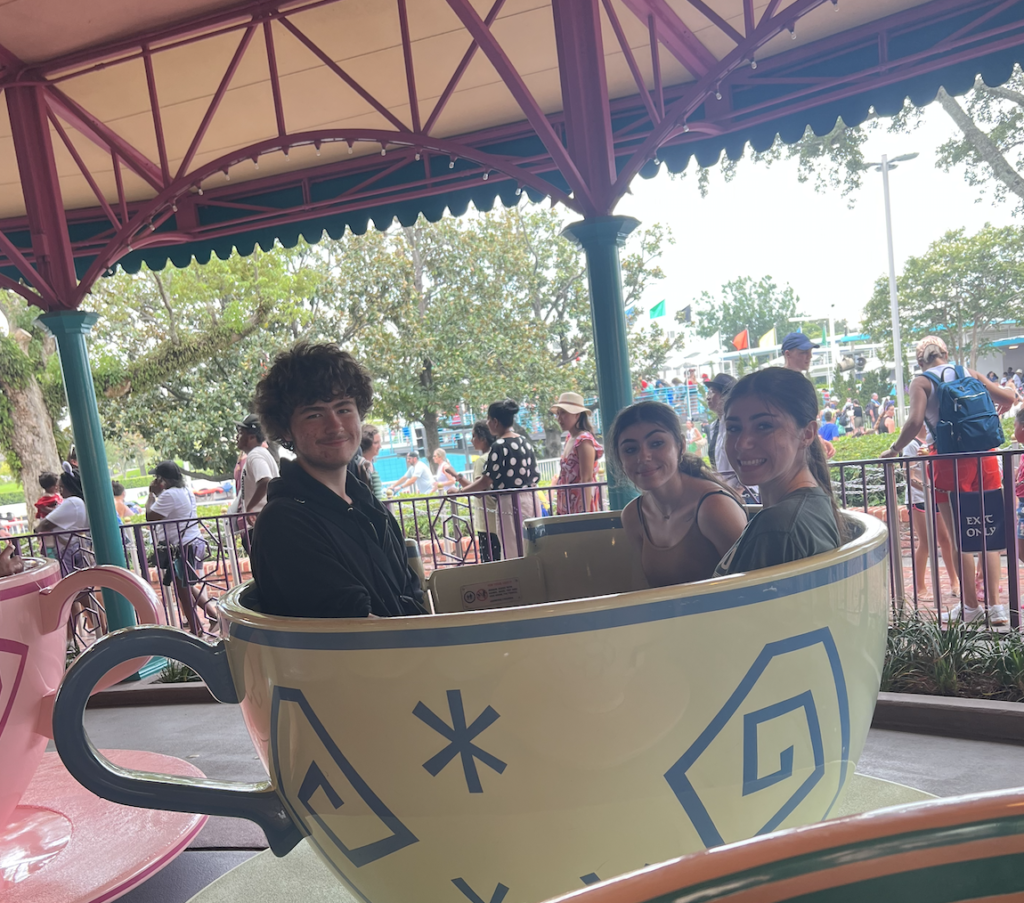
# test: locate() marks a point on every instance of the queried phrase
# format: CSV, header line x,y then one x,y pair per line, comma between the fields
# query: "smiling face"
x,y
325,434
765,446
649,455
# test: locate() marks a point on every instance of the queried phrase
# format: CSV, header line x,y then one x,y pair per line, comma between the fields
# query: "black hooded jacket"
x,y
316,556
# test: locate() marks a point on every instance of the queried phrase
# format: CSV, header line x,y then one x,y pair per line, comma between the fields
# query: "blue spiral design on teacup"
x,y
801,703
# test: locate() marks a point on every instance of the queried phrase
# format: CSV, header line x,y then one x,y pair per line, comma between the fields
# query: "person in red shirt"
x,y
51,497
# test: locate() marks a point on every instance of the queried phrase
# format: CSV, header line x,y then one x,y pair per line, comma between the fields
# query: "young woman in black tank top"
x,y
685,519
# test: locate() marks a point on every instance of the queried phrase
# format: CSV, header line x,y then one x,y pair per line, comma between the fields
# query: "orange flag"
x,y
741,341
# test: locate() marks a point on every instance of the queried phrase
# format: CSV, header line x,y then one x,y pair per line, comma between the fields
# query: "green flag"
x,y
658,310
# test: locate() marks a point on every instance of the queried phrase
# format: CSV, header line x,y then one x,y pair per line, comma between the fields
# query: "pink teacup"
x,y
34,609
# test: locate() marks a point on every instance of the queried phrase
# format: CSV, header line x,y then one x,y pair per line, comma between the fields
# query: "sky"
x,y
765,222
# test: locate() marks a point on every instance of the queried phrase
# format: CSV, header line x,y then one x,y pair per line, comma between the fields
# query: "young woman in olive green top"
x,y
771,422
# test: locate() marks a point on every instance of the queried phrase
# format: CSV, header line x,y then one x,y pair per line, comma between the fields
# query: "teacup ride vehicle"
x,y
50,825
552,724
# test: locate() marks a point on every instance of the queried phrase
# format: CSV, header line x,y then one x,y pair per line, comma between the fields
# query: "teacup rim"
x,y
732,591
39,574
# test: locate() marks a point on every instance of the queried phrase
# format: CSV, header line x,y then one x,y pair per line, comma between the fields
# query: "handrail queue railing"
x,y
449,530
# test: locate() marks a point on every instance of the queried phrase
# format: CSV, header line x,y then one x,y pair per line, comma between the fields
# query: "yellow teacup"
x,y
514,754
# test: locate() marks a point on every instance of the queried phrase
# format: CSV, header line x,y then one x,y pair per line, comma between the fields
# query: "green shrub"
x,y
860,448
959,660
177,673
13,495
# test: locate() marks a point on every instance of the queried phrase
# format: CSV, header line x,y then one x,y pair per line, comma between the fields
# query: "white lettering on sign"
x,y
493,594
973,525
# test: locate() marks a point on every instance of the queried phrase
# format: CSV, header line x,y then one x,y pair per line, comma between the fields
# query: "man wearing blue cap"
x,y
797,349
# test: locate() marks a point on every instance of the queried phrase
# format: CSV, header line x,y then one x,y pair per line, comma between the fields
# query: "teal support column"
x,y
601,237
70,328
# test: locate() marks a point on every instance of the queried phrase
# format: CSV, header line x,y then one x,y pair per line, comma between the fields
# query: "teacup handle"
x,y
257,802
55,608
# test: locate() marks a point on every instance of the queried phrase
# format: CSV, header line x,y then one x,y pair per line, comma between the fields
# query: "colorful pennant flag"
x,y
768,339
658,310
687,315
741,340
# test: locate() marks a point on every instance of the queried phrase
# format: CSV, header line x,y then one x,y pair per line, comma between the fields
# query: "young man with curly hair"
x,y
323,546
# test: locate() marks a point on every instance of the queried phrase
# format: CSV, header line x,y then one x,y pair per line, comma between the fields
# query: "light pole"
x,y
894,304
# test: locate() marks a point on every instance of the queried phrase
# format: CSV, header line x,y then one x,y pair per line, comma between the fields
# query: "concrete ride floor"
x,y
213,737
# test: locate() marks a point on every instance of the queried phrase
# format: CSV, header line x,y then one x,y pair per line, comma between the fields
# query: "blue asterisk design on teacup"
x,y
470,894
461,739
803,702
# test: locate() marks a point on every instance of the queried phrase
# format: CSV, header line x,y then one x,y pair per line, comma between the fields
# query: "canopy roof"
x,y
173,130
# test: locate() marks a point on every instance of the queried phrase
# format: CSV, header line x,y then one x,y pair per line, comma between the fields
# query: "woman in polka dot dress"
x,y
511,464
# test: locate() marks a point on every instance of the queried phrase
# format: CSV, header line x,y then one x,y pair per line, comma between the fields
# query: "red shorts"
x,y
965,475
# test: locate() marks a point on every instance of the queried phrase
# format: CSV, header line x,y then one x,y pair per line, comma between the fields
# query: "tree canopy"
x,y
448,317
961,286
745,304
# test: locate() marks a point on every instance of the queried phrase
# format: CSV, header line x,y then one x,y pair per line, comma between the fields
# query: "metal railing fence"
x,y
469,528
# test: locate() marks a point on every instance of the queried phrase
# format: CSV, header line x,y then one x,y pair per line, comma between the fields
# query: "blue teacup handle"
x,y
257,802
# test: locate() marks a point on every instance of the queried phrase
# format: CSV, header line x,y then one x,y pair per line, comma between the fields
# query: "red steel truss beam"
x,y
716,19
527,103
103,136
635,139
235,18
275,78
696,94
344,76
410,74
217,98
748,17
627,52
59,129
54,273
674,34
158,124
588,125
460,70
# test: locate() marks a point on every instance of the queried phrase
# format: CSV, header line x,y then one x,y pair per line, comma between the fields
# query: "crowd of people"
x,y
768,447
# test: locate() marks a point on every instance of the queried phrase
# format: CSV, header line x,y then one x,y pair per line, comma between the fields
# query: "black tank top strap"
x,y
640,515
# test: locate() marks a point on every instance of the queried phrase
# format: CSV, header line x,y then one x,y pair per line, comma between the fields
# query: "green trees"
x,y
446,316
962,285
746,304
494,306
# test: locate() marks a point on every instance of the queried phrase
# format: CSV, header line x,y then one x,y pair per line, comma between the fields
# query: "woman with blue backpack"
x,y
961,409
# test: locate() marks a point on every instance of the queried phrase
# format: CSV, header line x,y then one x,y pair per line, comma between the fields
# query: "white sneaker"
x,y
999,616
969,614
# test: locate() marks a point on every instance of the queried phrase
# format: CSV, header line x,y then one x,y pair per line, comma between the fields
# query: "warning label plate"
x,y
493,594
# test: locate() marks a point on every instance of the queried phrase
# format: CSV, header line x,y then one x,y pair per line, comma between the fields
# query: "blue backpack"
x,y
967,416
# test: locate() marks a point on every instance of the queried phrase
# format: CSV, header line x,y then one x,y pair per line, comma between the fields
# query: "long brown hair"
x,y
792,394
659,414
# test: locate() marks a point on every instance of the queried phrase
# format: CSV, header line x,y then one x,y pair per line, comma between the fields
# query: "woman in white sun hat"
x,y
579,455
